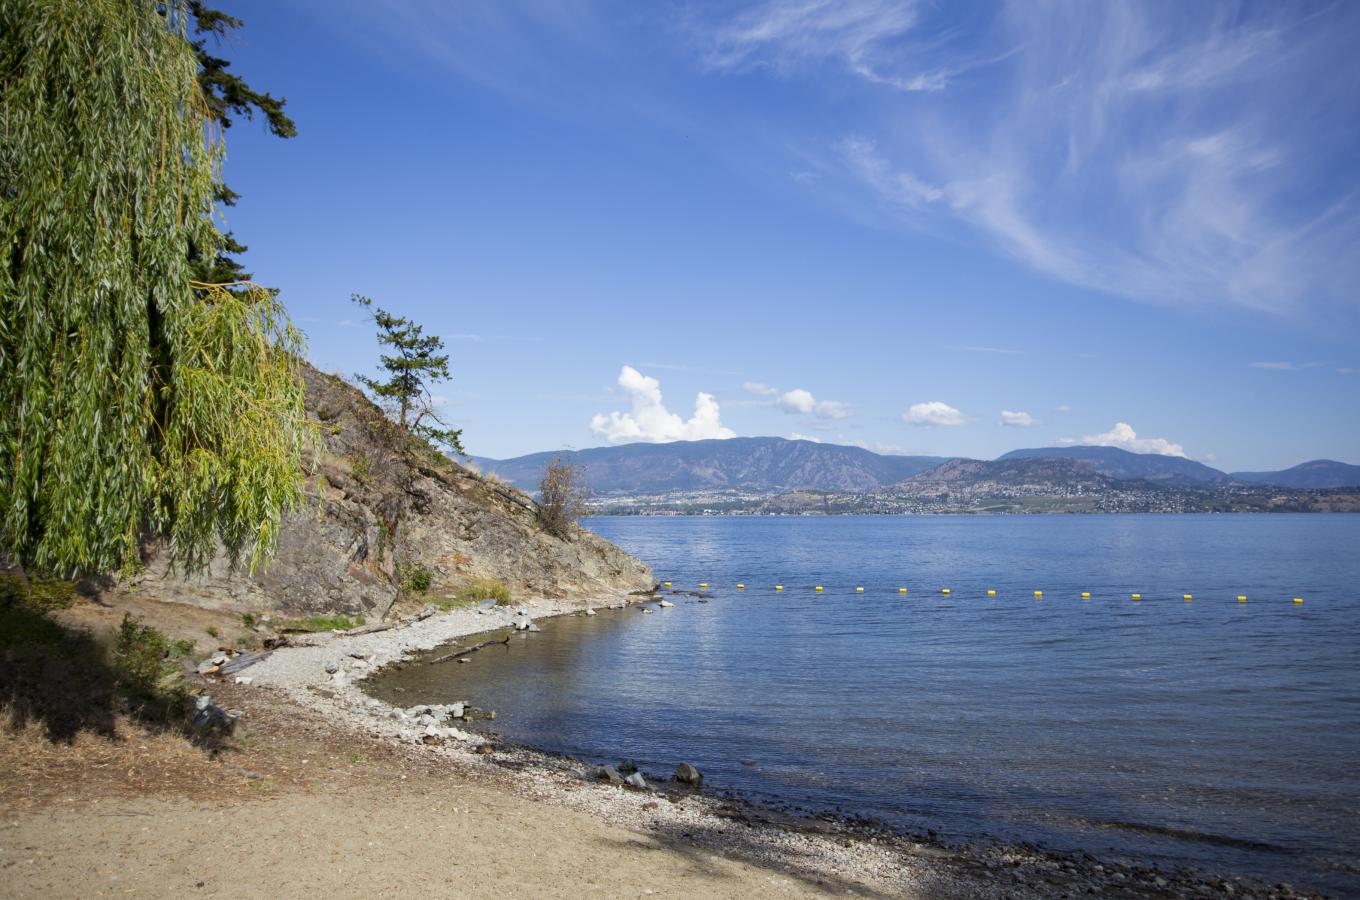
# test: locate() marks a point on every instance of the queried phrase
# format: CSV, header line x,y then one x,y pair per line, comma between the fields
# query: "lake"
x,y
1212,732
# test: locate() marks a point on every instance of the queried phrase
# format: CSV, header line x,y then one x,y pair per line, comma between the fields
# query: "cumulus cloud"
x,y
1124,437
1018,419
649,419
801,401
933,413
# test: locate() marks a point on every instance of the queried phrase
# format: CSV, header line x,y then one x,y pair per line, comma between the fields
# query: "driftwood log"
x,y
421,616
473,649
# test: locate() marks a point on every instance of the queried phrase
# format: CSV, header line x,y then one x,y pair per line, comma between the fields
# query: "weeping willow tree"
x,y
135,403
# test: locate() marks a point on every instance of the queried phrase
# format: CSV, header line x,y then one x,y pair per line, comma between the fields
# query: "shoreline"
x,y
837,848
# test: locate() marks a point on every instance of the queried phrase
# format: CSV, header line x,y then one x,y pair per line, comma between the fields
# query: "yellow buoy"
x,y
1298,599
1086,595
740,586
1241,598
779,587
944,590
703,584
859,590
1188,597
818,589
991,593
1137,596
901,590
1038,595
666,583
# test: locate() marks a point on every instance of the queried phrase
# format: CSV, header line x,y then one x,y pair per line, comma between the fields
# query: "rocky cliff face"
x,y
380,507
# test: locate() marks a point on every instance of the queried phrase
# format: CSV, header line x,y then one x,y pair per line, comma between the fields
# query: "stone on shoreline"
x,y
636,782
609,774
687,774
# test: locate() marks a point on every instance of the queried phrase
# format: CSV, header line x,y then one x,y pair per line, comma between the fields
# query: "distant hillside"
x,y
1317,473
763,464
1122,464
1046,474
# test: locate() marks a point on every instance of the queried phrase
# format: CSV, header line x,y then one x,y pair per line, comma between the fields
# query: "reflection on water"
x,y
1209,732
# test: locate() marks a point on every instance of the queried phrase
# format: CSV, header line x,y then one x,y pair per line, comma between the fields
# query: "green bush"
x,y
415,579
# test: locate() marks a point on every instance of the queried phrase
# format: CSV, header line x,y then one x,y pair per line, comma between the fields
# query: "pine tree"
x,y
417,365
228,95
134,401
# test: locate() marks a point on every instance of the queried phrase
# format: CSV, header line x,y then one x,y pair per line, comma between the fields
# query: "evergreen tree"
x,y
134,401
417,365
228,95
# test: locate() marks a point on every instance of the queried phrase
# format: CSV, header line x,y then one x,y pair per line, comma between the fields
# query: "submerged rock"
x,y
687,774
628,767
665,604
590,612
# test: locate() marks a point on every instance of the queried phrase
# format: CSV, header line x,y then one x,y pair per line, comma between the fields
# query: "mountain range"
x,y
772,465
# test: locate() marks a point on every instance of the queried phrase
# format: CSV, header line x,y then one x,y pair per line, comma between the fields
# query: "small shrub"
x,y
142,658
247,641
415,579
213,632
37,593
561,498
361,467
475,591
250,620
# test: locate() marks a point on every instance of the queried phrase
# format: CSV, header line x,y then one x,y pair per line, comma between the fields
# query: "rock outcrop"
x,y
383,509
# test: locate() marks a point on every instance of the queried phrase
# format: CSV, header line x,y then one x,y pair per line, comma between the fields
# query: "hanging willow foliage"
x,y
134,403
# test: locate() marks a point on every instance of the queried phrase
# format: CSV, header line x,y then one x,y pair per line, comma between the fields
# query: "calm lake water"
x,y
1215,733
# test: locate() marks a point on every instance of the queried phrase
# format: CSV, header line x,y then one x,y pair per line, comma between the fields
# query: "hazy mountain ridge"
x,y
774,465
1122,464
1316,473
762,464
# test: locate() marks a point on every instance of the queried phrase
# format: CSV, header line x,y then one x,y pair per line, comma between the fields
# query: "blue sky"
x,y
944,228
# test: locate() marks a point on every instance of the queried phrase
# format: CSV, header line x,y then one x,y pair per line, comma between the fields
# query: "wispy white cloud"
x,y
649,419
990,350
798,436
1158,153
1018,419
861,36
1063,408
1124,437
759,389
1281,366
933,413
